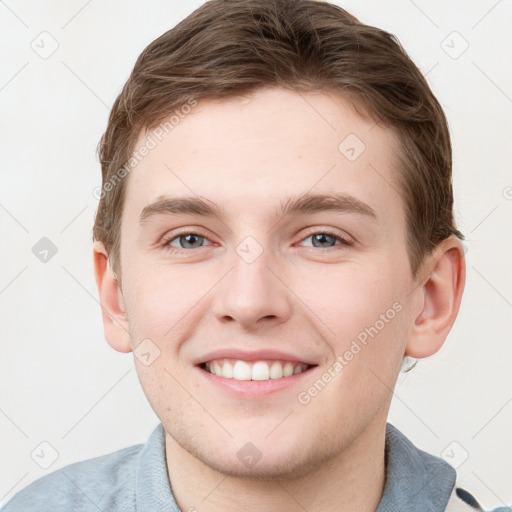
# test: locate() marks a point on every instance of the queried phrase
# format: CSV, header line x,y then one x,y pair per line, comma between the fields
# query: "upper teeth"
x,y
258,370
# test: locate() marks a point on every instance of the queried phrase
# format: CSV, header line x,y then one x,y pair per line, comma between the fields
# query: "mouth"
x,y
260,370
255,374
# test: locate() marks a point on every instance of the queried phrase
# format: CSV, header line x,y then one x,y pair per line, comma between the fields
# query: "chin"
x,y
283,458
268,468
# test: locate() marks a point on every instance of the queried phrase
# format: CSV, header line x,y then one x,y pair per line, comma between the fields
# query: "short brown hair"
x,y
227,48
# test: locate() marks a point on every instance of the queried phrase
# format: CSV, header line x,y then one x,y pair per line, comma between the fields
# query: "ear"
x,y
438,297
115,324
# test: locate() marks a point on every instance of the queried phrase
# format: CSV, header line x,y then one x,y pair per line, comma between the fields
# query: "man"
x,y
275,234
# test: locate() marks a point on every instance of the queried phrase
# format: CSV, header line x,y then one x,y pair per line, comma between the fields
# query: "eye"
x,y
326,237
188,240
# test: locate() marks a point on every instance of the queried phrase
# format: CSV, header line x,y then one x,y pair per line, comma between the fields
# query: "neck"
x,y
353,479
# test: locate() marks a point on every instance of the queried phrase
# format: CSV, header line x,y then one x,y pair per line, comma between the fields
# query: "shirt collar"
x,y
415,480
152,487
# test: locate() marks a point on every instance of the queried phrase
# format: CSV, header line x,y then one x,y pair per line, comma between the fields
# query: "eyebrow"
x,y
297,205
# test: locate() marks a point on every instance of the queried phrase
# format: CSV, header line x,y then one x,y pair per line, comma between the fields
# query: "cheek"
x,y
354,302
366,320
160,299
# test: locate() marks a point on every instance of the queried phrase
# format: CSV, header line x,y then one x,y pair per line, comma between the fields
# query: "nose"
x,y
253,294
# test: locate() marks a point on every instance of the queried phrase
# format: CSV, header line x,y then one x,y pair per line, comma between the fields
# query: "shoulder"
x,y
418,480
101,483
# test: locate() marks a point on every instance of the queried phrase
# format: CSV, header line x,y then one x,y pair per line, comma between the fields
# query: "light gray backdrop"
x,y
65,395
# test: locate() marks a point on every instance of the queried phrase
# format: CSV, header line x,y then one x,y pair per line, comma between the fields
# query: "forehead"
x,y
252,152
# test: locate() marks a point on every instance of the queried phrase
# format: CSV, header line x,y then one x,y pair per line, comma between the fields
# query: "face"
x,y
263,239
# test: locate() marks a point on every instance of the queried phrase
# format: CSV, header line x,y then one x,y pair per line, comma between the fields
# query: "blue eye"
x,y
186,240
189,240
319,237
322,238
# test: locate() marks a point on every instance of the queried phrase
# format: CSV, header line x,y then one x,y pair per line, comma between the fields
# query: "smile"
x,y
253,370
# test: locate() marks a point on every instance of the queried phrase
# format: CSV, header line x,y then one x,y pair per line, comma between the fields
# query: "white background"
x,y
62,384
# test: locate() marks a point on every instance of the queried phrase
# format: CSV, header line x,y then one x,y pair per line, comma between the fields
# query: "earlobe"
x,y
115,324
440,295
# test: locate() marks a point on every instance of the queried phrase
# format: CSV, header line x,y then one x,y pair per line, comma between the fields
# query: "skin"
x,y
248,154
